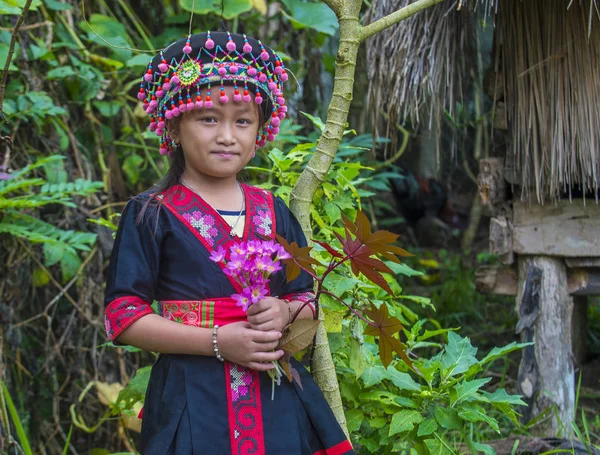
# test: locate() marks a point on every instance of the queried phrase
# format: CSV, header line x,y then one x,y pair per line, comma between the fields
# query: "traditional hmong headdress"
x,y
173,79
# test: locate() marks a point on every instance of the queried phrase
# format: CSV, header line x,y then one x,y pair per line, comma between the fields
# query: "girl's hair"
x,y
173,175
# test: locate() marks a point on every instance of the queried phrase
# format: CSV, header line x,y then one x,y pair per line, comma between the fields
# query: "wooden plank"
x,y
565,229
583,262
501,239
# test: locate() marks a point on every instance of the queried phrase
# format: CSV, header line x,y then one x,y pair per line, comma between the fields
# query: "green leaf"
x,y
53,253
357,358
12,410
486,449
477,414
466,389
427,427
69,265
4,53
404,420
499,352
354,419
135,390
403,269
56,5
108,108
315,120
317,16
447,418
140,60
500,396
131,168
61,72
232,8
459,355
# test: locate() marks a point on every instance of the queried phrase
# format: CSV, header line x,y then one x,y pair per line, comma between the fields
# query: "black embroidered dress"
x,y
196,404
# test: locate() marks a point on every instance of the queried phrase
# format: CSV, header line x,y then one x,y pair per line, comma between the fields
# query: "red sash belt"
x,y
203,313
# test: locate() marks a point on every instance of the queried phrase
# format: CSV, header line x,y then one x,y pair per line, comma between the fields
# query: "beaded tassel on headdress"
x,y
172,81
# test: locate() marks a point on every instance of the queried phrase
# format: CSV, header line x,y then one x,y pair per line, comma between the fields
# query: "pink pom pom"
x,y
153,104
270,138
275,121
280,100
275,130
149,110
224,99
264,55
209,44
152,126
141,96
282,115
222,71
278,70
208,104
147,77
252,71
163,67
175,112
262,143
163,151
283,109
272,85
247,48
258,99
175,80
277,92
262,77
246,98
169,114
187,49
199,104
284,76
159,131
166,86
238,98
230,46
160,93
182,108
190,106
161,124
233,69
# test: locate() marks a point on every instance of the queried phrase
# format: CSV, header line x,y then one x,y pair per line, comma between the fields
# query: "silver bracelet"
x,y
215,346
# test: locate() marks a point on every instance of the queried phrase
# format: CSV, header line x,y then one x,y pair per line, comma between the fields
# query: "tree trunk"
x,y
546,376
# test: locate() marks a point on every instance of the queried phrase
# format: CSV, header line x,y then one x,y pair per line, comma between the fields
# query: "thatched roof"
x,y
548,54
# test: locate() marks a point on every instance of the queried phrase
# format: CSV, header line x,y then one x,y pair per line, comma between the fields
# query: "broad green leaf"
x,y
53,253
404,420
484,448
357,358
61,72
354,419
315,120
477,414
500,396
427,427
40,277
447,418
4,55
378,422
403,269
140,60
135,390
381,396
57,5
499,352
375,374
317,16
105,26
131,168
466,389
108,108
459,355
232,8
333,320
69,265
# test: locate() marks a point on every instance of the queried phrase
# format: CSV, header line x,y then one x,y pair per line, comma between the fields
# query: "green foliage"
x,y
8,405
18,196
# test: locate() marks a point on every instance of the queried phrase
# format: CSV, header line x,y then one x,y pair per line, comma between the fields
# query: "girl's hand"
x,y
240,343
269,314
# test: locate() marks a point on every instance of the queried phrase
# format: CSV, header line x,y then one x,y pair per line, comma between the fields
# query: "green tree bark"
x,y
352,34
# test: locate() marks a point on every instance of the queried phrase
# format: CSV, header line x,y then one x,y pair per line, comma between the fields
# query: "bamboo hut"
x,y
545,88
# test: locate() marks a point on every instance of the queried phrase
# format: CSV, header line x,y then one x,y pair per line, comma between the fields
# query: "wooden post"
x,y
546,376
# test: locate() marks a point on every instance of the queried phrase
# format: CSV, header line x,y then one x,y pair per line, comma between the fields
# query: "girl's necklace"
x,y
232,232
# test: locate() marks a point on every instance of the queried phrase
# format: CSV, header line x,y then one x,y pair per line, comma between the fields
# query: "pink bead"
x,y
160,124
163,67
264,55
275,130
187,49
237,98
199,104
169,114
141,96
163,151
145,105
230,46
160,93
175,112
247,98
284,76
175,80
247,48
282,115
278,70
283,109
275,121
149,110
272,85
262,77
209,44
270,138
152,126
258,99
233,69
262,143
182,108
147,77
222,71
280,100
159,131
153,104
208,104
277,92
252,71
166,86
190,106
224,99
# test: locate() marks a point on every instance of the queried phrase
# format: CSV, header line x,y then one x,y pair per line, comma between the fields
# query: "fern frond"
x,y
78,187
33,201
7,186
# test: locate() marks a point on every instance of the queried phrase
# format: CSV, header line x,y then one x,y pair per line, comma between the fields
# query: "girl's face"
x,y
217,142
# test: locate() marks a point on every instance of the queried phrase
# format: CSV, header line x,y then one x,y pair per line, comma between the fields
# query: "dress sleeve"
x,y
301,288
133,270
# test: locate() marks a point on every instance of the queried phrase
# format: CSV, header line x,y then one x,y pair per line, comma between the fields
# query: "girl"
x,y
208,392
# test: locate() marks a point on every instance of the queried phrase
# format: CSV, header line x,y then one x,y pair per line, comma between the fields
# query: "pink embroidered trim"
x,y
303,297
122,312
